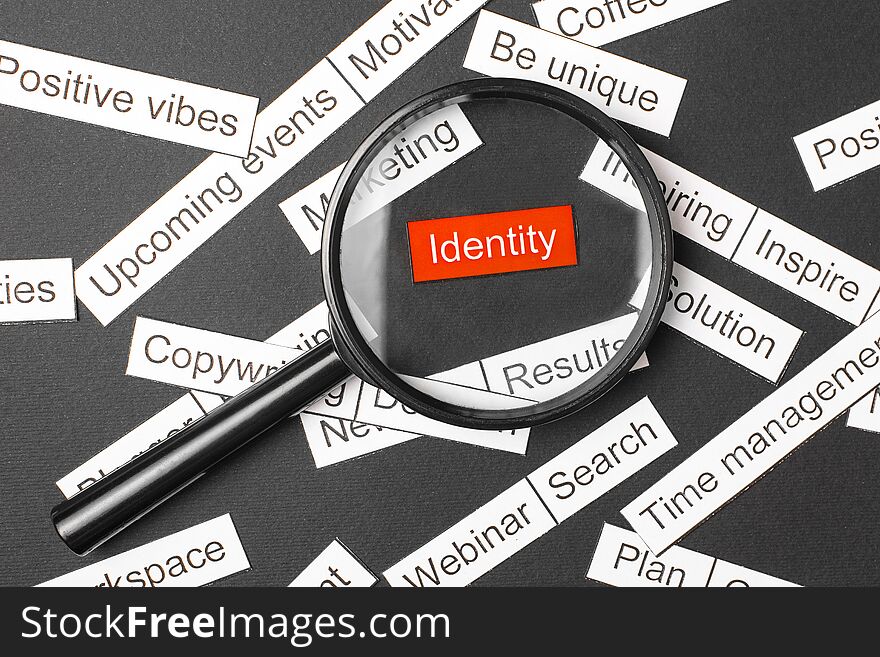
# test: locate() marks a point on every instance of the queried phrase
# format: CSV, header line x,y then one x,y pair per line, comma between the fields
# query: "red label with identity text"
x,y
495,243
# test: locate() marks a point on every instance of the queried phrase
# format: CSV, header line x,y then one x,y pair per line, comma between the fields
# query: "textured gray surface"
x,y
758,73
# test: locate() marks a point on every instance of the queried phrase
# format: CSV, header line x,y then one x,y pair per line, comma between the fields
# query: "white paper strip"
x,y
624,89
39,290
534,505
196,556
125,99
597,22
748,236
623,559
729,325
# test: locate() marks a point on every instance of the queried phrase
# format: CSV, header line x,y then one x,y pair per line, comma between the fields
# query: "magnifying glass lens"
x,y
480,269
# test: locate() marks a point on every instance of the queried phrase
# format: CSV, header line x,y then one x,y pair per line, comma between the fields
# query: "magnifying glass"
x,y
469,272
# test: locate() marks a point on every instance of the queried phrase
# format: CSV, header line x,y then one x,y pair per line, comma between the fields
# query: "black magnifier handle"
x,y
114,502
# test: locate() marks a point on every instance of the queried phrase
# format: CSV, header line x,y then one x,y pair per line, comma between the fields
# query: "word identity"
x,y
626,90
747,235
500,242
39,290
534,505
423,149
335,567
756,442
622,559
287,130
191,557
120,98
597,22
842,148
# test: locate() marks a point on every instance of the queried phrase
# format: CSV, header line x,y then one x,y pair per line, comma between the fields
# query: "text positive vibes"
x,y
496,243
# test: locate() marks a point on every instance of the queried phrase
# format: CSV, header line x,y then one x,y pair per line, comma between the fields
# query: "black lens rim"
x,y
353,347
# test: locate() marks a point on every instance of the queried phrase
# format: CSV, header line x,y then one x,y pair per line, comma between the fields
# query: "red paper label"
x,y
496,243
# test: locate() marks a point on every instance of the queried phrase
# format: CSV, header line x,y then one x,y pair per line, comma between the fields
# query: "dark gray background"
x,y
758,73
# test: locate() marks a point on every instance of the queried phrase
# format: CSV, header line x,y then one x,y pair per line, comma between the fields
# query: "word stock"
x,y
624,89
196,556
729,325
757,441
842,148
426,147
534,505
287,130
495,243
747,236
39,290
120,98
597,22
227,365
335,567
622,559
